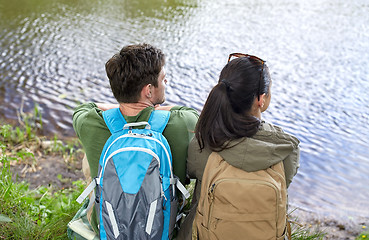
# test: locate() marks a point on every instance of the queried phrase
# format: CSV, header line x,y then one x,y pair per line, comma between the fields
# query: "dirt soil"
x,y
49,170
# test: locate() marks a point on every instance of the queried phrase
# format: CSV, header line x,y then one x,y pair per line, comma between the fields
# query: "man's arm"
x,y
80,114
91,129
179,132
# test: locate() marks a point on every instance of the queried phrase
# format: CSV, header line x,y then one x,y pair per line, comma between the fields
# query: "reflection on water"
x,y
53,53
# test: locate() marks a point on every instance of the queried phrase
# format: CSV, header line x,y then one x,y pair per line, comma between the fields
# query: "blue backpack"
x,y
135,187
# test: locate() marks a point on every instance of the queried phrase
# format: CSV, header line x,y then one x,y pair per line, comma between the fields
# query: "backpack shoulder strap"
x,y
158,120
114,120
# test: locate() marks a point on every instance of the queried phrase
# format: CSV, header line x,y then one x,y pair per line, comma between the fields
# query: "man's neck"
x,y
132,109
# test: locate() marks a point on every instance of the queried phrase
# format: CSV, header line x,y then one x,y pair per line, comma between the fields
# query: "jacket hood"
x,y
267,147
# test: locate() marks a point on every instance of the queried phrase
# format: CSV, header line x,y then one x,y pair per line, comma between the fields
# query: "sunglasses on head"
x,y
240,55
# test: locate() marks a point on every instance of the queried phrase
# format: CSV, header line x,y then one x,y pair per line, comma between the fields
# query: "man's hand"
x,y
166,108
106,106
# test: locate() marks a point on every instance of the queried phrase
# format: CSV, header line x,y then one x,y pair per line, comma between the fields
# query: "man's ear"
x,y
146,91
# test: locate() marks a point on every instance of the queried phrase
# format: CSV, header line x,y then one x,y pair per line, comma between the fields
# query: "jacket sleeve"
x,y
179,132
292,161
291,165
79,116
91,129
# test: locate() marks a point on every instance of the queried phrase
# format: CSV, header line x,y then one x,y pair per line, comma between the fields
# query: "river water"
x,y
53,53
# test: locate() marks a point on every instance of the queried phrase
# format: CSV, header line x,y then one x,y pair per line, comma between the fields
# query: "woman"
x,y
230,124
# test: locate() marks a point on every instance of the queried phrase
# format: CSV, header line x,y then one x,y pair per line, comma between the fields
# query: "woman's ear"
x,y
261,100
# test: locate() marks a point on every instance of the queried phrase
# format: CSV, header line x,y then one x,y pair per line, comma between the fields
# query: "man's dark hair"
x,y
132,68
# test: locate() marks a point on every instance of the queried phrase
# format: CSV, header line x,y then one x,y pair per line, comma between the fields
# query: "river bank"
x,y
54,170
40,161
48,170
334,227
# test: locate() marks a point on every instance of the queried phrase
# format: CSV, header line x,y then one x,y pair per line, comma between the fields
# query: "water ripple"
x,y
53,54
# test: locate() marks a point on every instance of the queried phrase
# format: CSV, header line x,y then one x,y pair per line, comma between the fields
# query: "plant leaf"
x,y
4,218
62,96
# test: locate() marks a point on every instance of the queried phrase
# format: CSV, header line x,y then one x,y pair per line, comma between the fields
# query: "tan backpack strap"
x,y
289,233
194,230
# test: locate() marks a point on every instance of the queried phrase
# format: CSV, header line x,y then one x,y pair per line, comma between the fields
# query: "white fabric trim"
x,y
127,149
150,218
87,191
80,227
141,149
179,216
113,221
135,136
183,190
92,201
104,159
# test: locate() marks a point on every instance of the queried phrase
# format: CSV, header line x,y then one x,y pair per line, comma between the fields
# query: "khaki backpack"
x,y
235,204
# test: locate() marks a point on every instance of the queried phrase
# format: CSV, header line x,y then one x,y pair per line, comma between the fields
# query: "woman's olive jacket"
x,y
268,146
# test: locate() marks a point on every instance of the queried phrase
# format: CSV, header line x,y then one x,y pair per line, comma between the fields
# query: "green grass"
x,y
364,235
303,233
22,142
42,213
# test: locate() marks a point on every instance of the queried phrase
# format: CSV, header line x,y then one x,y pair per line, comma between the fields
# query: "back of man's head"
x,y
132,68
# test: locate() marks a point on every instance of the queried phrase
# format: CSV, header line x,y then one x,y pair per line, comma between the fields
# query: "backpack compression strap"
x,y
115,121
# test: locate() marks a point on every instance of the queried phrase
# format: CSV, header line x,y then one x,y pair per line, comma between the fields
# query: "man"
x,y
137,79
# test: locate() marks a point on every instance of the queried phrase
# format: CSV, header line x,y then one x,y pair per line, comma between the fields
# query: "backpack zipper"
x,y
211,196
216,183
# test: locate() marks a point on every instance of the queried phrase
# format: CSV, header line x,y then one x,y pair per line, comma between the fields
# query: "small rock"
x,y
341,227
50,144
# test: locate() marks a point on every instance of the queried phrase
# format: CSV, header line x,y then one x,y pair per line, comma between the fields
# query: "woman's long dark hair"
x,y
225,115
